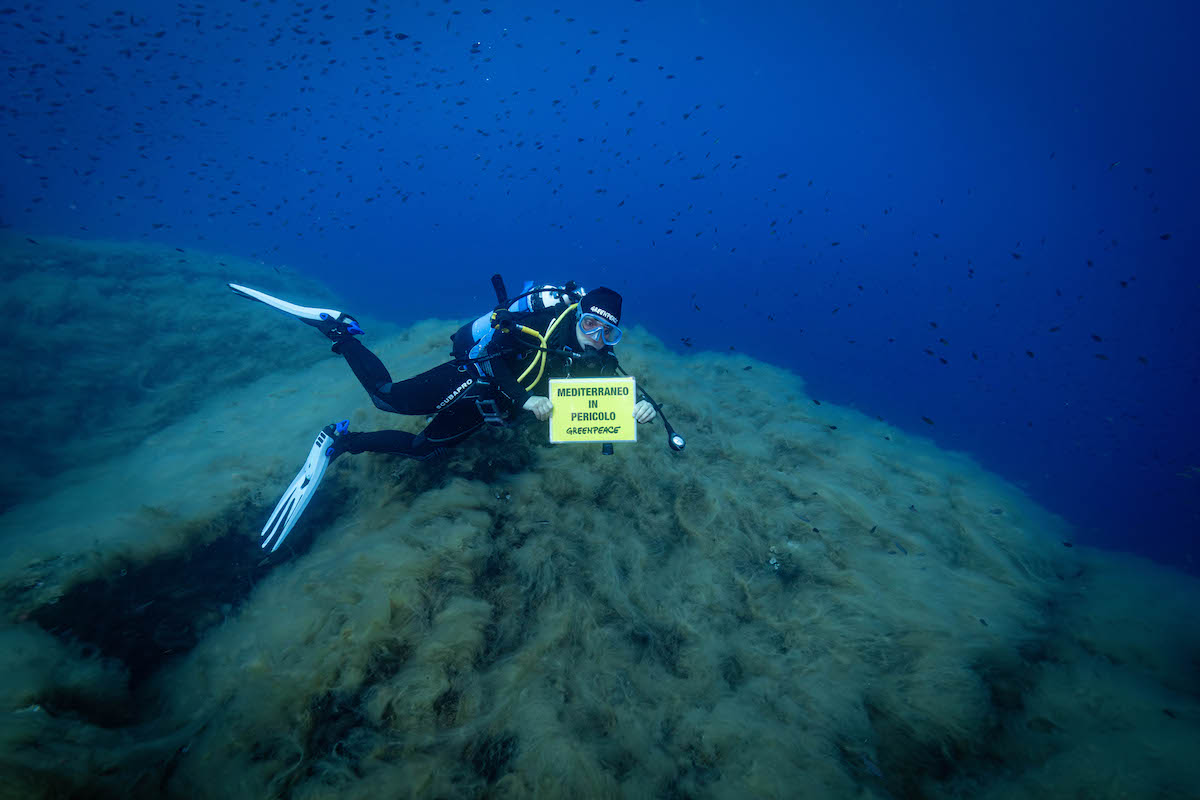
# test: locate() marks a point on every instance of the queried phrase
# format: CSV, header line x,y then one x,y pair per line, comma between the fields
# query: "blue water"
x,y
974,221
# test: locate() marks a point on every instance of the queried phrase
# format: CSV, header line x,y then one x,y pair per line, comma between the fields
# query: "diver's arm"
x,y
540,406
506,381
508,386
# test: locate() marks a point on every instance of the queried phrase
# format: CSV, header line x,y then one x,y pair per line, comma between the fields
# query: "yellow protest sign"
x,y
592,410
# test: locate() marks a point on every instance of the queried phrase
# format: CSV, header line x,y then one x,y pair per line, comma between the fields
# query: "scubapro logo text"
x,y
454,395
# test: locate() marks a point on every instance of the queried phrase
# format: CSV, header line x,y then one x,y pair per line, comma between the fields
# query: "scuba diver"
x,y
500,368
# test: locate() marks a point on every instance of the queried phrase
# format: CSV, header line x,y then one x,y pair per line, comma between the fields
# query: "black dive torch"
x,y
674,440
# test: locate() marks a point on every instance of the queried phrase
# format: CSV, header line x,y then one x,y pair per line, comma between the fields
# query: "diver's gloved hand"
x,y
540,406
644,412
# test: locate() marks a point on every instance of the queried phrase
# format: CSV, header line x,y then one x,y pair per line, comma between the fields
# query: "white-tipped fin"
x,y
295,499
303,312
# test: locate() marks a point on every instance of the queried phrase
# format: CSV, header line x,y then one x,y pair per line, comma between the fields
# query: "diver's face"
x,y
584,340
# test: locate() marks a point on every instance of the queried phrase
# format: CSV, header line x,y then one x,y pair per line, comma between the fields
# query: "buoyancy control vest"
x,y
469,344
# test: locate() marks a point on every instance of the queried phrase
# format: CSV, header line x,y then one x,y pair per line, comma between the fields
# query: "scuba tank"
x,y
471,341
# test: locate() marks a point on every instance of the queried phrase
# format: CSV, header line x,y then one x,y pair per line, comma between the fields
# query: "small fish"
x,y
927,420
996,511
1068,544
899,546
983,622
746,369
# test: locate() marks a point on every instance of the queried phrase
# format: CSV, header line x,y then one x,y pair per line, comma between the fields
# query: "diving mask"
x,y
598,329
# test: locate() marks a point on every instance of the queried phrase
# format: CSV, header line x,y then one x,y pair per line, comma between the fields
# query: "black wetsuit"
x,y
455,391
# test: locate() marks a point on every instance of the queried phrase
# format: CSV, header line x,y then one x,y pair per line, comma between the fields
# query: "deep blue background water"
x,y
982,216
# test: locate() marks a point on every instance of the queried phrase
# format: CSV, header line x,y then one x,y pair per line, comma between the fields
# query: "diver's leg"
x,y
426,393
447,429
367,367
